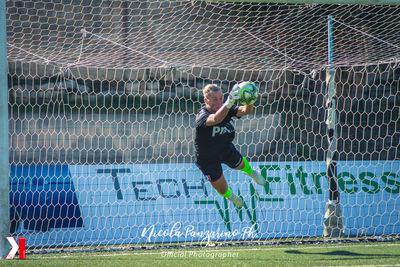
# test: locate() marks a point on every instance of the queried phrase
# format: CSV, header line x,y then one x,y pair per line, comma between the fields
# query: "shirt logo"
x,y
220,130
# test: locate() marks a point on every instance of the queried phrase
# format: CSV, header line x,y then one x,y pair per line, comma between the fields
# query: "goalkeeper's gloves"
x,y
234,96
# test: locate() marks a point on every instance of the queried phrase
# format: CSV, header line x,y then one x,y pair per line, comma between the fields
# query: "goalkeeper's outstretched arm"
x,y
213,98
221,113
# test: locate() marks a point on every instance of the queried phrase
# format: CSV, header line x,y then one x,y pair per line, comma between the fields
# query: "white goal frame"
x,y
4,145
4,160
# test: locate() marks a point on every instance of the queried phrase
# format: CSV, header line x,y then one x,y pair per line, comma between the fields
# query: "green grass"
x,y
345,254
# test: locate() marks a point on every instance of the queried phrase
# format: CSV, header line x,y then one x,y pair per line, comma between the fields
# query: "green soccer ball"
x,y
248,93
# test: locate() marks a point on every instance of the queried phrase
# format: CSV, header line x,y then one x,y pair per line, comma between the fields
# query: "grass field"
x,y
325,254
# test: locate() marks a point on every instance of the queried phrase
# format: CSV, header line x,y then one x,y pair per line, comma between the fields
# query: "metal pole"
x,y
330,41
4,160
333,223
331,121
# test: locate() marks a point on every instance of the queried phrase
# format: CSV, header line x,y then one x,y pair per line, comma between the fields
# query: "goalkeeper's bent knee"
x,y
227,194
247,168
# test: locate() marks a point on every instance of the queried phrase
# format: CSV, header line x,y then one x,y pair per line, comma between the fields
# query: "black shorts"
x,y
211,167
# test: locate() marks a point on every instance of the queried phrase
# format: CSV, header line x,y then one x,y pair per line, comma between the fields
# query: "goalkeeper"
x,y
213,140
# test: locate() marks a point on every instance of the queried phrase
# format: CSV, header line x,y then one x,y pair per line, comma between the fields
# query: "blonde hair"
x,y
210,88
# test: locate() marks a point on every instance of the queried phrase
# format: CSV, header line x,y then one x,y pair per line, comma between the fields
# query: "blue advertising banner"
x,y
42,198
152,203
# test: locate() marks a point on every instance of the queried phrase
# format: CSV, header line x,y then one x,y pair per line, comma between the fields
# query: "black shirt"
x,y
210,140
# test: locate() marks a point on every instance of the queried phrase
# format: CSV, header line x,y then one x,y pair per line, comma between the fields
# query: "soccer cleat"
x,y
236,200
257,178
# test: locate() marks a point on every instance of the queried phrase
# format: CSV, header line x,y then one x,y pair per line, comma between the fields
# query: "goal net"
x,y
103,97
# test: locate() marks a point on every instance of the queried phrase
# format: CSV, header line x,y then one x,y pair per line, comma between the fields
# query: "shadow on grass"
x,y
342,253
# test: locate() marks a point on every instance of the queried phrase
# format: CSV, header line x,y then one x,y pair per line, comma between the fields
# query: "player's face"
x,y
214,101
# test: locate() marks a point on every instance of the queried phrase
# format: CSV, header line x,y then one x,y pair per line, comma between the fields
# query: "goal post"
x,y
4,147
103,97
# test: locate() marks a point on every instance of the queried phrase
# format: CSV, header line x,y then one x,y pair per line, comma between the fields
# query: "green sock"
x,y
227,194
247,168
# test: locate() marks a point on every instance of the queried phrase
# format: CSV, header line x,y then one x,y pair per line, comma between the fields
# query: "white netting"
x,y
149,34
103,97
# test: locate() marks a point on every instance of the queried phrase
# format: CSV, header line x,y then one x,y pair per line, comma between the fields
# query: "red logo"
x,y
15,247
